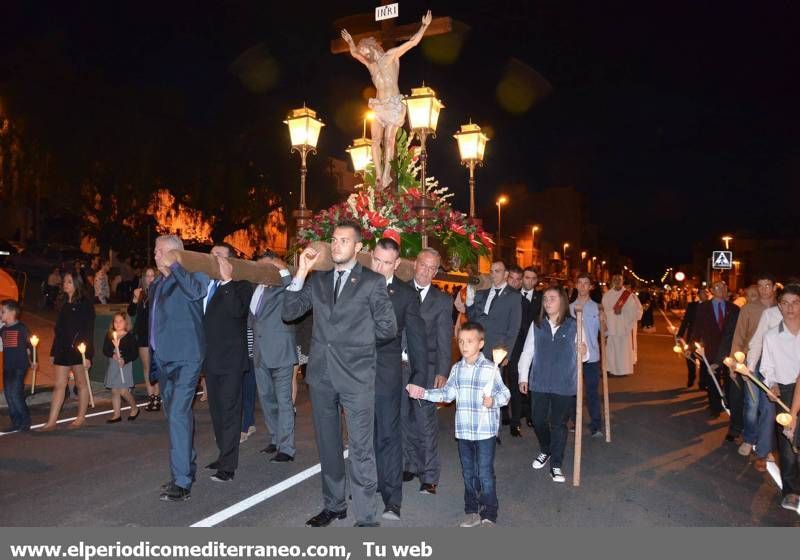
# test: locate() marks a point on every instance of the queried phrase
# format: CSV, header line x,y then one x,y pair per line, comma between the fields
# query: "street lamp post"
x,y
501,200
471,147
304,129
534,229
423,116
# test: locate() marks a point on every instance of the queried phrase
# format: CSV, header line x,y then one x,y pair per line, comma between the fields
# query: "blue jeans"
x,y
477,466
759,419
248,397
14,390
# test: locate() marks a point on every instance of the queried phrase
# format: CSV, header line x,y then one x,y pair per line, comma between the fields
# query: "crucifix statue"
x,y
390,112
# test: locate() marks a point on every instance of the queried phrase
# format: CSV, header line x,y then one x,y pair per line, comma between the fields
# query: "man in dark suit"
x,y
225,325
274,356
418,418
498,310
714,327
352,311
178,343
525,281
686,332
409,342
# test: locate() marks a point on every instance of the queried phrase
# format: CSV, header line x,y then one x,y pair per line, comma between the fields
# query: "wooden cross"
x,y
388,34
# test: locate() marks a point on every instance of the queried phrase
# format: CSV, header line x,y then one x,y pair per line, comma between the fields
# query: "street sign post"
x,y
722,260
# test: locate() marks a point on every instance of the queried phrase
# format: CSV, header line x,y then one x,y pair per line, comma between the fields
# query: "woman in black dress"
x,y
140,308
75,324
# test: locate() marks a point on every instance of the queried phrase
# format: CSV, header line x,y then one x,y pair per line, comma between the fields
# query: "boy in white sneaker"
x,y
476,386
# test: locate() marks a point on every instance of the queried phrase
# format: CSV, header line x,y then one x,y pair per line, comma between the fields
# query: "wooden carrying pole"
x,y
576,464
606,402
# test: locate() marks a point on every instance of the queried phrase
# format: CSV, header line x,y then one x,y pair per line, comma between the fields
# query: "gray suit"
x,y
418,418
274,357
341,373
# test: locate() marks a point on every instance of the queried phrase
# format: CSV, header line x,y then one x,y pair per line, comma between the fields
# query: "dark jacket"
x,y
411,329
75,324
225,326
436,313
716,341
128,348
344,335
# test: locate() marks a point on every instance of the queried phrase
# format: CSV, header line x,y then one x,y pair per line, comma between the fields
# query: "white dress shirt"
x,y
780,357
423,292
770,318
260,290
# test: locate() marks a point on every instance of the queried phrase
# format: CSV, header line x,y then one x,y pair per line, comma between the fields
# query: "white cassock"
x,y
621,342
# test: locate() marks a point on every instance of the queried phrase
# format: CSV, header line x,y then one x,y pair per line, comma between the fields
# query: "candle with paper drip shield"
x,y
700,351
119,355
34,344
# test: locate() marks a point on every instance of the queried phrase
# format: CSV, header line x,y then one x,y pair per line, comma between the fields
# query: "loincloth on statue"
x,y
390,111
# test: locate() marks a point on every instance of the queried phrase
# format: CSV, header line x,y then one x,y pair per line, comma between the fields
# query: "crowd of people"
x,y
378,359
756,338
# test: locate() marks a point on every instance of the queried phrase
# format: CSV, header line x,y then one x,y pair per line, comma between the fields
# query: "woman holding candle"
x,y
120,346
140,308
75,324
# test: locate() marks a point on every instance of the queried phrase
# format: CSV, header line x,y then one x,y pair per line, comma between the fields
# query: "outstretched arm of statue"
x,y
414,40
353,51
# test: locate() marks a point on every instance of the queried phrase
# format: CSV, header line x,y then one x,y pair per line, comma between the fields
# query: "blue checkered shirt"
x,y
466,386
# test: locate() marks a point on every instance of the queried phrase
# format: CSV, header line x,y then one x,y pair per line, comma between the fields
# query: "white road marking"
x,y
255,499
92,415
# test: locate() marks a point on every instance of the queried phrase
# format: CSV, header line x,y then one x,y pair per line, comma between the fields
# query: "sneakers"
x,y
392,512
487,523
597,434
175,493
557,475
540,461
745,449
791,502
471,520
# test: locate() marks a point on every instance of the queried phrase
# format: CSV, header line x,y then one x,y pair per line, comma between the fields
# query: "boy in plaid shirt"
x,y
476,386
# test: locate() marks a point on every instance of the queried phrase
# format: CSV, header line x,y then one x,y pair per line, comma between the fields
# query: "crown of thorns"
x,y
371,43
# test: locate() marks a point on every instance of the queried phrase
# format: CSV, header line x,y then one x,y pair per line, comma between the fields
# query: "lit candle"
x,y
82,350
34,343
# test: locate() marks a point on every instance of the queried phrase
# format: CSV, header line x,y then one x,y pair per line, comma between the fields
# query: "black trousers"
x,y
225,406
790,471
389,448
691,370
734,394
550,414
714,399
520,404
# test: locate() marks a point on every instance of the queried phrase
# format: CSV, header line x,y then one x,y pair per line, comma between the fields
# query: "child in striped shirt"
x,y
476,386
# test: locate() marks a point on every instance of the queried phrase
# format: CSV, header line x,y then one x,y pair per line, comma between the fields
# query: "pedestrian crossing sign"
x,y
722,259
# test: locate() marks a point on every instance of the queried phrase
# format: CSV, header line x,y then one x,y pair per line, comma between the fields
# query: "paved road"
x,y
668,465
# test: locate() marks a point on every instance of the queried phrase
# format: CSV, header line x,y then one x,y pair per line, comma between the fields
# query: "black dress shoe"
x,y
426,488
282,458
222,476
325,518
529,422
271,448
213,466
114,420
175,493
408,476
515,431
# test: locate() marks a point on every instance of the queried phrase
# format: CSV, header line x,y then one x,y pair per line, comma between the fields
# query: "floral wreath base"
x,y
398,208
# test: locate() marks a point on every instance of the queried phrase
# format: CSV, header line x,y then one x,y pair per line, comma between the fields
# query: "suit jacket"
x,y
411,329
275,340
177,303
717,342
225,325
344,335
686,330
502,323
437,316
529,313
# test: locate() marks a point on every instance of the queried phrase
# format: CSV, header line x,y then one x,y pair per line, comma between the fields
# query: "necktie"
x,y
260,302
524,294
212,289
419,293
494,299
337,285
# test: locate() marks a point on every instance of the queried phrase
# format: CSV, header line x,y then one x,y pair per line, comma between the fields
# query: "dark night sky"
x,y
670,117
